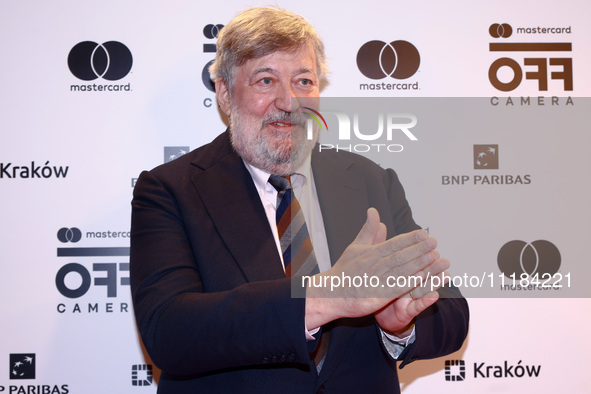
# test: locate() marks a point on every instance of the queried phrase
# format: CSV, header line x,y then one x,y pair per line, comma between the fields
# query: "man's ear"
x,y
222,94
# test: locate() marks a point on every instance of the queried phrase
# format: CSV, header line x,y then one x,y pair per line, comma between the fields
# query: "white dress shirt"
x,y
304,190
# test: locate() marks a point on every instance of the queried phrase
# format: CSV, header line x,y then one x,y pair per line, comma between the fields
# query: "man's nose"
x,y
286,99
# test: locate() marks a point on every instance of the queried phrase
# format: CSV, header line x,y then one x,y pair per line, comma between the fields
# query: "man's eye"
x,y
306,82
266,81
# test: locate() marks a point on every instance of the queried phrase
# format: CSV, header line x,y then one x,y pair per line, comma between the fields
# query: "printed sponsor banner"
x,y
483,117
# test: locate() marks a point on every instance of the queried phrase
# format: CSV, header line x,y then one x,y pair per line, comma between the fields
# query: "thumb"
x,y
381,234
370,228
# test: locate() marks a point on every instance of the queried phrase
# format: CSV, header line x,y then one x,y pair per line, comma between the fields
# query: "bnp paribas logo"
x,y
174,152
486,157
22,366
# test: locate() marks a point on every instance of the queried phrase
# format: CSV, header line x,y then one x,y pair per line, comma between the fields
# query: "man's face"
x,y
269,130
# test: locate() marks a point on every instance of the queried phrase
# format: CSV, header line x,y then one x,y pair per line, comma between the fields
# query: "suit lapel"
x,y
226,188
342,200
229,195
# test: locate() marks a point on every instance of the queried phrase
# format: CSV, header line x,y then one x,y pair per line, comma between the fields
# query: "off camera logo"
x,y
141,375
111,61
22,366
210,32
539,257
398,59
530,61
66,235
455,370
93,274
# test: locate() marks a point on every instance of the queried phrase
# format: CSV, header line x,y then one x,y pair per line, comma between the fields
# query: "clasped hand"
x,y
387,278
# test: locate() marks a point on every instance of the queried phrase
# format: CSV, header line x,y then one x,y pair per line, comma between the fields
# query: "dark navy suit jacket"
x,y
212,304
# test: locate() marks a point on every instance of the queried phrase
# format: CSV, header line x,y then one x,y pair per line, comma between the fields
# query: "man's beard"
x,y
275,153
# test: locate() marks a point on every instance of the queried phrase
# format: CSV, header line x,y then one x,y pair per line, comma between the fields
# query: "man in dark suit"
x,y
213,304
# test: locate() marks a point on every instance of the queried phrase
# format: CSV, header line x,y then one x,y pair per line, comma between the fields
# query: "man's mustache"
x,y
295,118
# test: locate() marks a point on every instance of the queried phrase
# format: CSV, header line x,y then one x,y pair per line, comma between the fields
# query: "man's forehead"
x,y
300,70
299,60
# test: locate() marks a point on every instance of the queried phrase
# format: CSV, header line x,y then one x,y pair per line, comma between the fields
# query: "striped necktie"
x,y
296,247
298,255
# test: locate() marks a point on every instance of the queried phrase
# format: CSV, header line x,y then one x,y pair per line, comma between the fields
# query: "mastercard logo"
x,y
66,235
111,60
538,257
498,30
397,59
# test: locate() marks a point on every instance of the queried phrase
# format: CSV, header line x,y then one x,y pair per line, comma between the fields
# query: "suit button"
x,y
265,360
282,358
321,390
291,357
273,360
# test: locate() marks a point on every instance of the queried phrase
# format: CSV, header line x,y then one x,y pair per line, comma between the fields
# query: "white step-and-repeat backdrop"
x,y
93,93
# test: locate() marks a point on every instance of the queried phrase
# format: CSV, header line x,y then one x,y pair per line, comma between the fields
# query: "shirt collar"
x,y
298,179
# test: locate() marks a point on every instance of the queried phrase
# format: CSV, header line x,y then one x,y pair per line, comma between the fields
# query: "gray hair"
x,y
257,32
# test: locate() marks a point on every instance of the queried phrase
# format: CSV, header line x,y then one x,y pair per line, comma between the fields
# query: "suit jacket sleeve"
x,y
442,328
196,309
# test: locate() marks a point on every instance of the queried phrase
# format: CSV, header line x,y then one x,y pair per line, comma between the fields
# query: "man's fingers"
x,y
370,229
420,304
403,241
411,259
434,278
430,286
411,277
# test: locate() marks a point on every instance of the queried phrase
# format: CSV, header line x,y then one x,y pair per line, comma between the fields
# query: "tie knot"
x,y
281,183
